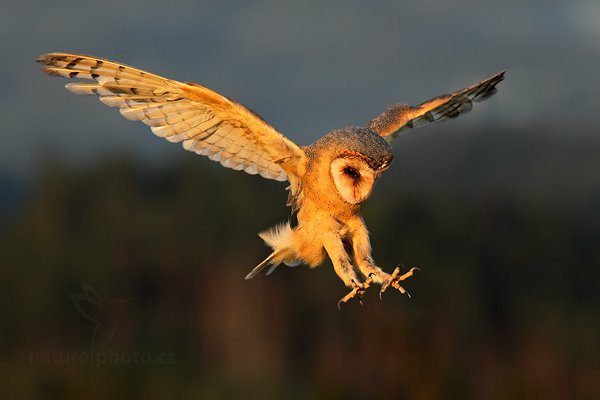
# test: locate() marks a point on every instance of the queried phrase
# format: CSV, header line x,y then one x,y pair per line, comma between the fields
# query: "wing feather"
x,y
401,116
204,121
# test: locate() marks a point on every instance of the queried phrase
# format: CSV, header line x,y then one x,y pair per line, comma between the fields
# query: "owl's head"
x,y
358,157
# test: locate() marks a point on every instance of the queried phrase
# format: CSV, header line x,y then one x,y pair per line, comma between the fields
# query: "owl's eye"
x,y
352,173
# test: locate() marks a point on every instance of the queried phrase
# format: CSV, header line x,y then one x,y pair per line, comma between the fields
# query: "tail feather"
x,y
282,240
262,266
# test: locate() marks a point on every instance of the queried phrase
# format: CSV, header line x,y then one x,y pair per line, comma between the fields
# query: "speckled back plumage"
x,y
359,139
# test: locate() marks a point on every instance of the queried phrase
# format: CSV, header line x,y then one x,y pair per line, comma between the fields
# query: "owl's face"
x,y
354,176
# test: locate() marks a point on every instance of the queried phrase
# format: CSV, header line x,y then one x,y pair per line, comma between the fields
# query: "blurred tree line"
x,y
504,226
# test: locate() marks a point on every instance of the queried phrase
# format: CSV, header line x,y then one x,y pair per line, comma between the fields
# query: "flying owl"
x,y
329,180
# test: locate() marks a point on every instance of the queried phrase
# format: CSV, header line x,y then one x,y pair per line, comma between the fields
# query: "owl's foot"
x,y
358,290
394,281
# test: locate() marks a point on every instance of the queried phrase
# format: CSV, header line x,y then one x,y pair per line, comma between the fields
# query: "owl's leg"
x,y
344,269
361,245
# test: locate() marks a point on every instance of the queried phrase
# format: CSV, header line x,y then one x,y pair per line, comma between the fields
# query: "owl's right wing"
x,y
203,120
401,116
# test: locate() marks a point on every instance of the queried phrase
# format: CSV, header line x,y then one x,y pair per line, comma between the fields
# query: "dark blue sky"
x,y
307,67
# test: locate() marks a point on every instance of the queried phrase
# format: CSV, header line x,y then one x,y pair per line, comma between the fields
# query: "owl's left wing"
x,y
401,116
203,120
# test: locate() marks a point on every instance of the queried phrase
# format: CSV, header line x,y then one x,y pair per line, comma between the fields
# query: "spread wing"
x,y
401,116
203,120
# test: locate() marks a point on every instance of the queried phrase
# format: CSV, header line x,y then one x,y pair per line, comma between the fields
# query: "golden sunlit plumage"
x,y
329,180
402,116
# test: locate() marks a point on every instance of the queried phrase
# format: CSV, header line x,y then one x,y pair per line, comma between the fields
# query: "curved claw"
x,y
394,281
358,290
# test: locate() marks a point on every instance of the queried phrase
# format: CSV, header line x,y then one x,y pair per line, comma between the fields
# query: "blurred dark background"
x,y
123,256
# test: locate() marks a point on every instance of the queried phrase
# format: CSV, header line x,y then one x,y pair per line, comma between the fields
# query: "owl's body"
x,y
329,221
329,180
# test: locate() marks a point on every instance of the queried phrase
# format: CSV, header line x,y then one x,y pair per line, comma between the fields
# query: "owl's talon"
x,y
394,281
358,290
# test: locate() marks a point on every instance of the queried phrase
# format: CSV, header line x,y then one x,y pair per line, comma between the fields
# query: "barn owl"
x,y
329,180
